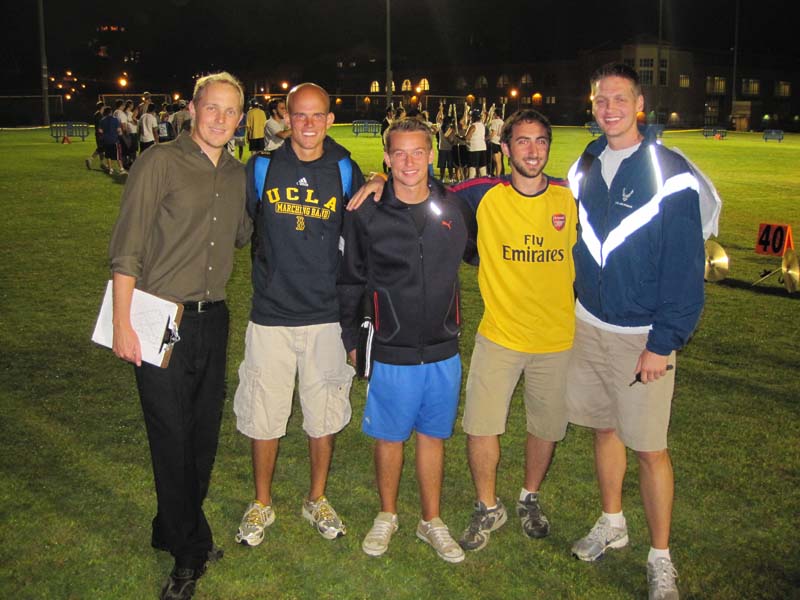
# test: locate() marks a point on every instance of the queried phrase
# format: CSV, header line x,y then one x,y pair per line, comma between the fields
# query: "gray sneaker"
x,y
322,516
435,533
256,519
534,523
661,576
88,163
600,538
483,522
378,538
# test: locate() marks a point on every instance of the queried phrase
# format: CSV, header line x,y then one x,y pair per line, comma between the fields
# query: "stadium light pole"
x,y
43,57
735,60
658,62
388,55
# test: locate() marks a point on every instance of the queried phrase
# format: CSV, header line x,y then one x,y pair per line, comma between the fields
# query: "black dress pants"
x,y
182,408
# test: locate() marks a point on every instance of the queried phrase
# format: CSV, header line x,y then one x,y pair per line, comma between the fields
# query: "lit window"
x,y
646,76
406,87
526,80
647,63
783,89
537,99
481,82
374,87
751,87
684,81
715,85
424,85
503,81
461,83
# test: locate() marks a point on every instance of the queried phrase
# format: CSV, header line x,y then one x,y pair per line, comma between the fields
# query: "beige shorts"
x,y
599,394
272,357
493,374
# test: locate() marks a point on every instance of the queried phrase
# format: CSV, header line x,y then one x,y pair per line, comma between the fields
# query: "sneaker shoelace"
x,y
476,524
532,508
664,574
380,531
601,532
441,537
255,516
324,512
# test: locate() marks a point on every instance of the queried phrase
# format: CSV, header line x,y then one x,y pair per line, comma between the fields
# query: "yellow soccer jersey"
x,y
526,269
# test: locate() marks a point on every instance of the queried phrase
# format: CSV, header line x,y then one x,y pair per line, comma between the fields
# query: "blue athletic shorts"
x,y
401,398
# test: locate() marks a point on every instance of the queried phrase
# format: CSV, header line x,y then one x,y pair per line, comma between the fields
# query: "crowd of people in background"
x,y
467,143
124,131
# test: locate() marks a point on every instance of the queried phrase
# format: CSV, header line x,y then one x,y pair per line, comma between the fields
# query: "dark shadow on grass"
x,y
738,284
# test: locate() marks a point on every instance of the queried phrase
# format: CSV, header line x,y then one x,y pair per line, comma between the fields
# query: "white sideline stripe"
x,y
634,221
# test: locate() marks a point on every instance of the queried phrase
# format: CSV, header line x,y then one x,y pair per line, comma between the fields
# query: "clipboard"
x,y
154,320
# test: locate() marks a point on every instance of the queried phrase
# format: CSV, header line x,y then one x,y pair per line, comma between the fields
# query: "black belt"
x,y
203,305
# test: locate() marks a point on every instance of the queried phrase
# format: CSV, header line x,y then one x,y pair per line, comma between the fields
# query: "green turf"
x,y
76,497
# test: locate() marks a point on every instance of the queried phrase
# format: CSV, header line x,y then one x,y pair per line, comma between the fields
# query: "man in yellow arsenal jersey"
x,y
526,226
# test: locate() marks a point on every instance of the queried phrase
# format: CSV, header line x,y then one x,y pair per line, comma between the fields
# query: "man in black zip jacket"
x,y
403,253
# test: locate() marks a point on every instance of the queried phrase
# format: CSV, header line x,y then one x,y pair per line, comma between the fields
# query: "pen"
x,y
639,376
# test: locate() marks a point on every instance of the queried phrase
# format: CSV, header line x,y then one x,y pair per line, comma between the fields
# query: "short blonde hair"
x,y
221,77
407,125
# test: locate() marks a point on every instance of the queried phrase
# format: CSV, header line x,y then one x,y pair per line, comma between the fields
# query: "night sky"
x,y
180,37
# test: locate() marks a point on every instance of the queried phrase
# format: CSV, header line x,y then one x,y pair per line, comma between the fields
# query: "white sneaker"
x,y
378,538
661,576
256,519
435,533
601,537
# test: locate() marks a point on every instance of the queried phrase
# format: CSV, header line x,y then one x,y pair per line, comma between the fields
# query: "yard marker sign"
x,y
774,239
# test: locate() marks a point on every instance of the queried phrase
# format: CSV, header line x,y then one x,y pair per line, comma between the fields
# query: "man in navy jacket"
x,y
639,282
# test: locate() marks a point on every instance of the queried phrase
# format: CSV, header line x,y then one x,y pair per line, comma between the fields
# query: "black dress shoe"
x,y
181,583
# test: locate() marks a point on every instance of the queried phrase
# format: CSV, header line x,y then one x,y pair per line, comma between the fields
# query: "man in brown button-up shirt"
x,y
181,215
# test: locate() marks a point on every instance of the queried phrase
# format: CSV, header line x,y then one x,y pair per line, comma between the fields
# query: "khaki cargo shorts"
x,y
493,374
599,394
273,357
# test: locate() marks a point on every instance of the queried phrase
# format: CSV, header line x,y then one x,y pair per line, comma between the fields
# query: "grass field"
x,y
76,497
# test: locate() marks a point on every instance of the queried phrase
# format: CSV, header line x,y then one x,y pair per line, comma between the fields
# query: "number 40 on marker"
x,y
774,239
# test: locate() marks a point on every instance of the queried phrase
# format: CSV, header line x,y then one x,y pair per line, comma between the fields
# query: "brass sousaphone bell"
x,y
716,262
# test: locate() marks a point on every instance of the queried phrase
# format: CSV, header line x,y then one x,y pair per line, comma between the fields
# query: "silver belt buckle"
x,y
201,304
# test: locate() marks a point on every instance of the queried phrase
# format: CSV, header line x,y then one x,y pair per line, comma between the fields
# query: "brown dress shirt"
x,y
179,221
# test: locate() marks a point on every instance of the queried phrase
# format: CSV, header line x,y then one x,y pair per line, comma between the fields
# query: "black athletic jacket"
x,y
411,278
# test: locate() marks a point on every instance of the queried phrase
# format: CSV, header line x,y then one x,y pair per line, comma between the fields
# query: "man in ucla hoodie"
x,y
402,254
639,266
294,322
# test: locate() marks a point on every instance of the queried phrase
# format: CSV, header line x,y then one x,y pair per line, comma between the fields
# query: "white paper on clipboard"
x,y
152,318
